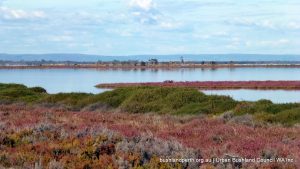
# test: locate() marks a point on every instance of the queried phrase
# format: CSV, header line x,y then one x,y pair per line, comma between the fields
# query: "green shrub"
x,y
175,101
20,93
220,104
244,108
73,100
182,97
112,98
11,85
193,109
268,107
38,90
287,117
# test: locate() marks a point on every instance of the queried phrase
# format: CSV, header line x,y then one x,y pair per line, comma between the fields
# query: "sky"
x,y
133,27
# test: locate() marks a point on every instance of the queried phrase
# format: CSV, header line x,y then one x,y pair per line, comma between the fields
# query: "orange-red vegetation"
x,y
57,138
288,85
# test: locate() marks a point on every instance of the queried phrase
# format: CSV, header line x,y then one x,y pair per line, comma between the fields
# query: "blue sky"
x,y
130,27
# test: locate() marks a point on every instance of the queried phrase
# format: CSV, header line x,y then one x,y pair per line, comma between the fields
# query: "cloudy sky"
x,y
129,27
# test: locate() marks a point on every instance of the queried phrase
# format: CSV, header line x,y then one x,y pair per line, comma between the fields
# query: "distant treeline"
x,y
142,63
40,63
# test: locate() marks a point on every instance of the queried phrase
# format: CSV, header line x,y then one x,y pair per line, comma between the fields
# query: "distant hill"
x,y
54,57
186,57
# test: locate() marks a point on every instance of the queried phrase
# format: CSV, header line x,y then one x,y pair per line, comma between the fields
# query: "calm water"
x,y
84,80
277,96
200,57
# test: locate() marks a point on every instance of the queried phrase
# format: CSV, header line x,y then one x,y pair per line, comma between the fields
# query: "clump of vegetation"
x,y
10,93
266,111
288,117
56,138
162,100
51,146
175,101
166,100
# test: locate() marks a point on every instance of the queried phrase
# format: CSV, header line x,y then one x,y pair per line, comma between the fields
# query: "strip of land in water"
x,y
285,85
142,65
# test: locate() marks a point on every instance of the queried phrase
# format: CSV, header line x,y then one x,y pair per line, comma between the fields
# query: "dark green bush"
x,y
245,108
19,93
73,100
193,109
38,90
10,86
112,98
175,101
287,117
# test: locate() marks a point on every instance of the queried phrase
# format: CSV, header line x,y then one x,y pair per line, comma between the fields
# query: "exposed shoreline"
x,y
158,66
263,85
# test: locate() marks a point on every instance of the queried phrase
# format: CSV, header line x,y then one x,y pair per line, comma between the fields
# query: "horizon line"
x,y
147,54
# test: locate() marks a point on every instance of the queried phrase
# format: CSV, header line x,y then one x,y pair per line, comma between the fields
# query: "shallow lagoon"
x,y
84,80
277,96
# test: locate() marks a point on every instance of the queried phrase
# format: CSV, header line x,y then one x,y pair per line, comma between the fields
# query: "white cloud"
x,y
266,24
274,43
277,43
235,42
212,35
60,38
187,26
144,11
16,14
146,17
254,23
163,49
142,4
294,25
124,32
167,25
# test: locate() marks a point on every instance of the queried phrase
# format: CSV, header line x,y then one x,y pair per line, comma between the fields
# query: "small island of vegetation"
x,y
286,85
142,64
